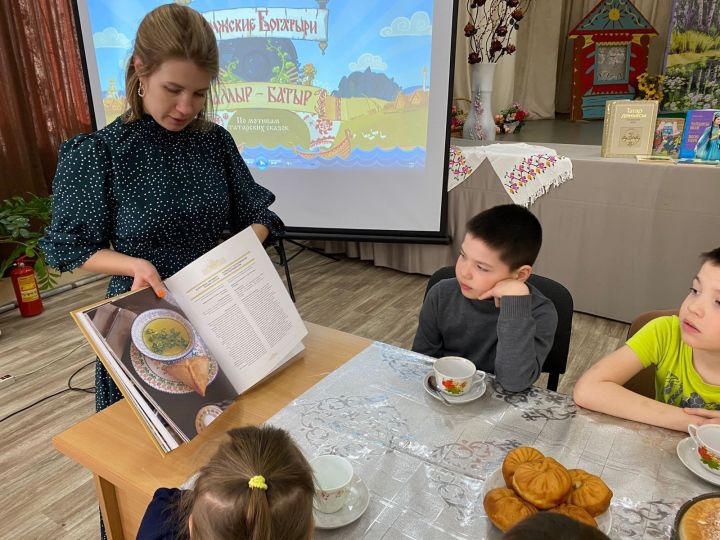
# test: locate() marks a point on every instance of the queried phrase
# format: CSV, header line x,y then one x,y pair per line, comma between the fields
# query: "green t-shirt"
x,y
659,342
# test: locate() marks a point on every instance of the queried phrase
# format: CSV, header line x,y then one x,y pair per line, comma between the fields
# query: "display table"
x,y
623,237
128,468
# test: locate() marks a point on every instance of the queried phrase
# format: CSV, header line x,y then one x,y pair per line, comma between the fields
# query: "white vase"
x,y
480,122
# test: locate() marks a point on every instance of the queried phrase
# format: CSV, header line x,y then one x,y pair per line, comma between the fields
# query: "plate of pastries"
x,y
698,519
530,482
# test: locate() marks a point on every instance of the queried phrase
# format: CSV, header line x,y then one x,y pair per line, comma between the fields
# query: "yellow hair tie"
x,y
257,482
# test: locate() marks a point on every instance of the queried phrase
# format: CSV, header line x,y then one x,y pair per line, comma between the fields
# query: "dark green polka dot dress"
x,y
151,193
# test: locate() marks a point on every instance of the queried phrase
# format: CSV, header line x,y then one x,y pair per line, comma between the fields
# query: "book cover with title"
x,y
629,128
698,124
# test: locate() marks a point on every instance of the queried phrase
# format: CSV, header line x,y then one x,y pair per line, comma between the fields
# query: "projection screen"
x,y
339,107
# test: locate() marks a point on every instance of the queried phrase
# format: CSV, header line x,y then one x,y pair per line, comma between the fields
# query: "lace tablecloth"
x,y
425,463
525,171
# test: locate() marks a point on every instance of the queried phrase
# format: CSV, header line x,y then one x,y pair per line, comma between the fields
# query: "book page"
x,y
238,304
186,389
148,414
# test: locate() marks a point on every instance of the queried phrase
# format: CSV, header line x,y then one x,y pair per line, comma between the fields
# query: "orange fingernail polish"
x,y
161,293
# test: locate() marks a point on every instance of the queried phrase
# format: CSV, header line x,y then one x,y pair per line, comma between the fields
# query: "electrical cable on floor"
x,y
89,389
50,362
70,388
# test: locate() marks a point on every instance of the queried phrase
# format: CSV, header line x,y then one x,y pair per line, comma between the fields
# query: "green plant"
x,y
282,72
22,224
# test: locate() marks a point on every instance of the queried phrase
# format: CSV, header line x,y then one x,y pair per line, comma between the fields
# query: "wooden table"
x,y
127,466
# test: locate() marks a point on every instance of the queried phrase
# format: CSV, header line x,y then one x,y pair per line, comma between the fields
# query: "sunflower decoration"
x,y
650,86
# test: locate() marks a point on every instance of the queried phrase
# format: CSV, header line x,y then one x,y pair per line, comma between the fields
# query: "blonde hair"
x,y
223,505
171,32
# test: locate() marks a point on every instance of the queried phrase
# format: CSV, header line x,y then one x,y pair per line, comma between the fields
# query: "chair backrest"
x,y
556,361
643,382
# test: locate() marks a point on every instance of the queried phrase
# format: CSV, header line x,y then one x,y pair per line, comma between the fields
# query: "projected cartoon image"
x,y
303,83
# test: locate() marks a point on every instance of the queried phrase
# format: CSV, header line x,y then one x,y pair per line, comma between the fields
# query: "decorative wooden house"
x,y
609,52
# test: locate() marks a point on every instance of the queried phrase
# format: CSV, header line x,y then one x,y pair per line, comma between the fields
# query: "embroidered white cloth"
x,y
525,171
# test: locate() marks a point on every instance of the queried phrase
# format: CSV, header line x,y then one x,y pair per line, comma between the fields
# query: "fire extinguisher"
x,y
26,288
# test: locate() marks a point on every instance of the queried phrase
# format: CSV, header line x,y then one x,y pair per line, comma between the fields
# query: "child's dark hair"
x,y
512,230
223,505
713,257
553,526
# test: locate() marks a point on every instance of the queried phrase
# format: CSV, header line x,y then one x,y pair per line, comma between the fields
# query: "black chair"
x,y
556,360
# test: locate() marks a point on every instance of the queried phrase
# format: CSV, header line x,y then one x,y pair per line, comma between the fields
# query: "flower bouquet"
x,y
457,119
650,86
490,27
511,119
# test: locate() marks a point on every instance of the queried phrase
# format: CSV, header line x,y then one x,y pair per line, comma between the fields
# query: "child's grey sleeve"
x,y
428,339
525,337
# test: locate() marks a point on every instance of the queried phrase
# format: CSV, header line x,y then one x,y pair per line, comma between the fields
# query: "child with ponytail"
x,y
257,486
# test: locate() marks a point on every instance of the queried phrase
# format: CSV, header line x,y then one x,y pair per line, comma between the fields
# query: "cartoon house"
x,y
610,51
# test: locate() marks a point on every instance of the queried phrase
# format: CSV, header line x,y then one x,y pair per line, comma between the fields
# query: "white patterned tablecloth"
x,y
425,463
526,172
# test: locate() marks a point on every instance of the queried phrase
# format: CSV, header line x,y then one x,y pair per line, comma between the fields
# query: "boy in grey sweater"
x,y
488,313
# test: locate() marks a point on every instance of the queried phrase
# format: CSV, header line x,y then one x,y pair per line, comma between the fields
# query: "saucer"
x,y
687,452
355,507
496,480
477,390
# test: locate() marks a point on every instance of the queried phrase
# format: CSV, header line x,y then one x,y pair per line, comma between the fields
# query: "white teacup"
x,y
333,476
455,375
707,441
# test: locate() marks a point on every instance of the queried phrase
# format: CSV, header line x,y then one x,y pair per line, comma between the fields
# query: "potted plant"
x,y
22,224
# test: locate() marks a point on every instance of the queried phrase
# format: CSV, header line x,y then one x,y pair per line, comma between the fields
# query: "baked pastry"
x,y
193,372
576,513
505,508
544,484
589,492
523,454
700,521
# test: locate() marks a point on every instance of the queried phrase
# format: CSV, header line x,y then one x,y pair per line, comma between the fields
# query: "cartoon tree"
x,y
309,73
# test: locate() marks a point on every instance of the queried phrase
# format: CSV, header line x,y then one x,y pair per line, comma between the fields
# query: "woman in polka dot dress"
x,y
160,183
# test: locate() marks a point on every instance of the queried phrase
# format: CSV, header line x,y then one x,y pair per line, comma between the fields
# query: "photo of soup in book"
x,y
158,349
163,334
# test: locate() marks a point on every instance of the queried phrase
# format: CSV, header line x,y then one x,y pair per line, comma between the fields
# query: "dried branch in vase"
x,y
490,27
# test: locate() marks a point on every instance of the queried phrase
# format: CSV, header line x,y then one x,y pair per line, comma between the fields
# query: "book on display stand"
x,y
225,323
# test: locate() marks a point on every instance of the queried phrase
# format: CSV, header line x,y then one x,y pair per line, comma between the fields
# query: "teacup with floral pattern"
x,y
455,375
332,475
707,441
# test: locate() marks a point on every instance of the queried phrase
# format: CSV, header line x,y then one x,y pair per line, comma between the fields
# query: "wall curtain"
x,y
43,91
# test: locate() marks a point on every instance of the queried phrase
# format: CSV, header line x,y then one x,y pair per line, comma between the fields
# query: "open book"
x,y
225,323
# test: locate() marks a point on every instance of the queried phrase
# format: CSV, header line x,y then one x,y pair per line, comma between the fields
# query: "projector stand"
x,y
303,247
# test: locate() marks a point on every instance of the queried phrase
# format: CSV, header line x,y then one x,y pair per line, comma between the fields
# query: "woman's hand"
x,y
704,416
145,274
261,231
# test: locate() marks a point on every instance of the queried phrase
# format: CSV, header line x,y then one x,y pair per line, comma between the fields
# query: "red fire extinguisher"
x,y
26,288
